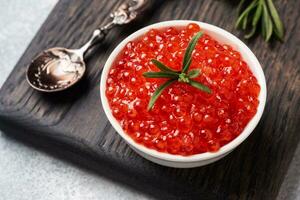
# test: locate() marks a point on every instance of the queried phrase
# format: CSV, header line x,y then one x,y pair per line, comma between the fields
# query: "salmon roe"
x,y
184,120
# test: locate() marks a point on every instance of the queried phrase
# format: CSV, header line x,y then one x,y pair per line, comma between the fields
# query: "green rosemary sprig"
x,y
253,12
184,75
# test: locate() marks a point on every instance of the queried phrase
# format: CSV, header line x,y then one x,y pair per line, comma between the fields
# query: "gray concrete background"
x,y
27,174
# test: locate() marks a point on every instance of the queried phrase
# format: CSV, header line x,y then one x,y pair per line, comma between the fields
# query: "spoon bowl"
x,y
56,69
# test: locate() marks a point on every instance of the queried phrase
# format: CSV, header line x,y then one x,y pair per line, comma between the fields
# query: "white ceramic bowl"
x,y
178,161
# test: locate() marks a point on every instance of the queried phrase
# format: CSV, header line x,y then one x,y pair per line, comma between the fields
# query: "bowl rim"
x,y
257,71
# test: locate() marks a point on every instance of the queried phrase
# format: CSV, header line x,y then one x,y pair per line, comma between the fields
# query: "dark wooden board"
x,y
73,125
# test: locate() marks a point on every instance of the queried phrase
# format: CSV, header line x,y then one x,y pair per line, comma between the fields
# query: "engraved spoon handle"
x,y
124,14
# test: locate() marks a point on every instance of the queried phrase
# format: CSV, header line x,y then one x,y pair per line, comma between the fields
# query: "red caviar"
x,y
184,120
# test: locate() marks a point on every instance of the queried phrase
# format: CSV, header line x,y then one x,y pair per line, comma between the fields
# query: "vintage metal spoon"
x,y
57,69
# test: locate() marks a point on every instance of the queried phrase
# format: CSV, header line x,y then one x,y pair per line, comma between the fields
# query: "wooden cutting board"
x,y
73,126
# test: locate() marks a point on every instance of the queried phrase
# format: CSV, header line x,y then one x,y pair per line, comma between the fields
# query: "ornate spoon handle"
x,y
125,13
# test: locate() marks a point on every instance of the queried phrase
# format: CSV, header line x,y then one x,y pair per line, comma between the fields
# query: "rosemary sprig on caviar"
x,y
184,75
253,12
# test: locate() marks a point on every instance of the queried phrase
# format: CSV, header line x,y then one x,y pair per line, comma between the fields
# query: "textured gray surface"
x,y
290,189
25,173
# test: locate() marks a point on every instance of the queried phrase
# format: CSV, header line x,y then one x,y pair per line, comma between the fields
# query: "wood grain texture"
x,y
74,122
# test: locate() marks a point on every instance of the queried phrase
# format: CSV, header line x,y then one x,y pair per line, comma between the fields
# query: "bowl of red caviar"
x,y
183,93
